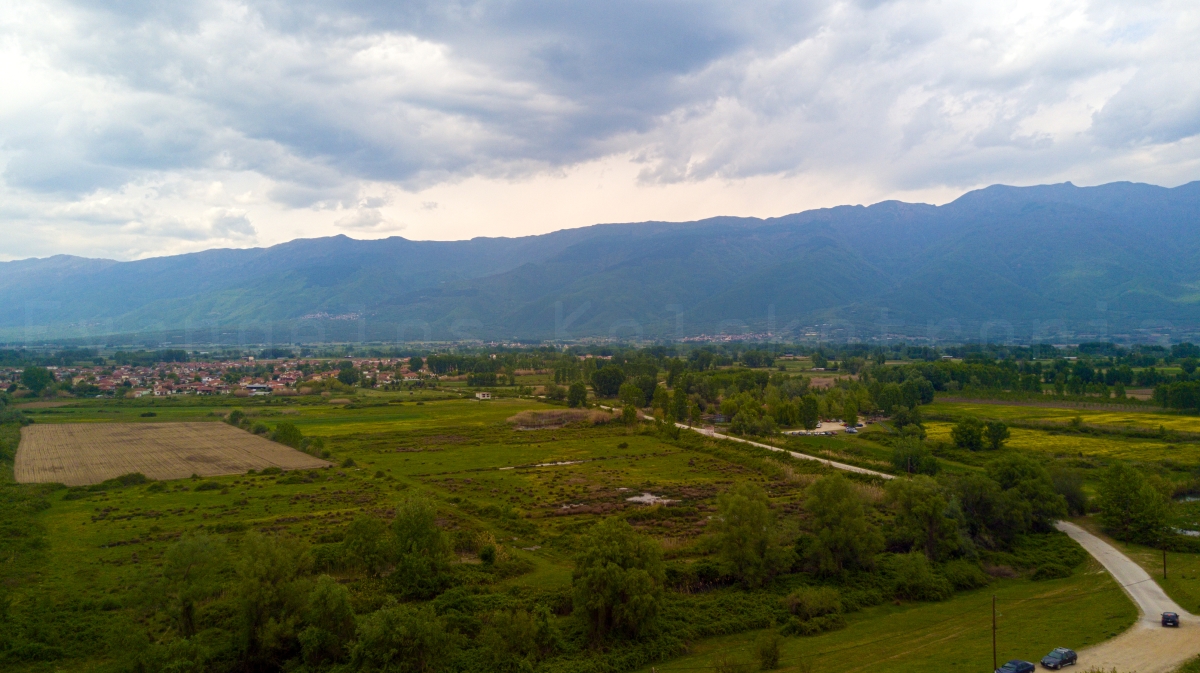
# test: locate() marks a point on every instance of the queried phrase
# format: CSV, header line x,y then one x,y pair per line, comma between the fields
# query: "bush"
x,y
814,626
488,554
913,578
208,486
912,456
402,638
812,602
288,434
963,574
768,646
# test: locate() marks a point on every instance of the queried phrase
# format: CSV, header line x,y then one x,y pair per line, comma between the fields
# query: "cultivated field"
x,y
77,454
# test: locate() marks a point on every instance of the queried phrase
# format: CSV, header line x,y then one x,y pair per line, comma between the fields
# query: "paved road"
x,y
1146,647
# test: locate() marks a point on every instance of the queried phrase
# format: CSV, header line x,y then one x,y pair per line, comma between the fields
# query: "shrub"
x,y
963,574
402,638
811,627
913,578
207,486
811,602
768,646
288,434
488,554
260,428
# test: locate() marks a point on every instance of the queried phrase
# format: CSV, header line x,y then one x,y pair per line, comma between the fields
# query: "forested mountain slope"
x,y
1049,261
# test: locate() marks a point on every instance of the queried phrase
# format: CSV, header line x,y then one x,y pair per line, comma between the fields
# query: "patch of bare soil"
x,y
78,454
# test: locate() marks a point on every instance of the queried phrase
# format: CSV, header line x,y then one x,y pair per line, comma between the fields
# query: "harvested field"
x,y
77,454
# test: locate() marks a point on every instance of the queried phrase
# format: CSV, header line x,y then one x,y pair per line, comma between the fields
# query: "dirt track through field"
x,y
77,454
1147,647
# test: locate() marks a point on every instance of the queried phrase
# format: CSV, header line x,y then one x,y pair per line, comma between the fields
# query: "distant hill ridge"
x,y
1052,262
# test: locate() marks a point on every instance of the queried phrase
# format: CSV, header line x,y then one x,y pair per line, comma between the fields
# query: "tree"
x,y
349,375
287,433
37,379
923,516
631,395
810,411
617,581
748,538
850,412
843,538
515,640
912,456
1031,482
1130,507
661,401
607,381
415,363
968,434
419,547
679,405
992,516
269,596
402,638
648,384
331,624
365,544
191,568
996,434
577,395
1069,484
629,415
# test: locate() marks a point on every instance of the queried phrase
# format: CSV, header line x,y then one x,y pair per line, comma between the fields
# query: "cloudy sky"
x,y
134,128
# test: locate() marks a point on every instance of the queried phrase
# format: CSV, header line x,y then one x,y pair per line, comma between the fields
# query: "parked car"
x,y
1170,619
851,431
1058,658
1017,666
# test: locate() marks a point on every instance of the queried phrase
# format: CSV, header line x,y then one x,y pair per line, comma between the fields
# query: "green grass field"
x,y
955,635
534,492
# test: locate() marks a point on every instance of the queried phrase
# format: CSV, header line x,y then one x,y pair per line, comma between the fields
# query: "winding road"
x,y
1147,647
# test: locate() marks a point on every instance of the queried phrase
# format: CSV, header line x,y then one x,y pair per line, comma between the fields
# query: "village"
x,y
240,377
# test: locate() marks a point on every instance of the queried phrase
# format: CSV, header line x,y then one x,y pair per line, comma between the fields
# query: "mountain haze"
x,y
1054,262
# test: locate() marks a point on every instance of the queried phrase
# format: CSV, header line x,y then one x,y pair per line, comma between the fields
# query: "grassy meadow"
x,y
87,565
954,635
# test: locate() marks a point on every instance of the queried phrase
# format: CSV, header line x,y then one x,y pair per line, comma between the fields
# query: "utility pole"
x,y
995,665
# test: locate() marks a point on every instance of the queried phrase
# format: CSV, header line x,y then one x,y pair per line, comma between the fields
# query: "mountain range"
x,y
1055,263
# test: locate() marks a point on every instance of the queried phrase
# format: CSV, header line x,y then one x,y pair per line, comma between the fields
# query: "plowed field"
x,y
77,454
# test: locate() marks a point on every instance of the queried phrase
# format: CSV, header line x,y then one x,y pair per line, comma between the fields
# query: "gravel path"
x,y
1146,647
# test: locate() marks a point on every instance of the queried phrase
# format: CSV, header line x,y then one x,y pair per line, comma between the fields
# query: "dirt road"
x,y
1146,647
801,456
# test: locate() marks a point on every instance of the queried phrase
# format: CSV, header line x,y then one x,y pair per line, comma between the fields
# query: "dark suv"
x,y
1017,666
1058,658
1170,619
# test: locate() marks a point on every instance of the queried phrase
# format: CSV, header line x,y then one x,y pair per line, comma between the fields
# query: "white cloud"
x,y
367,220
117,121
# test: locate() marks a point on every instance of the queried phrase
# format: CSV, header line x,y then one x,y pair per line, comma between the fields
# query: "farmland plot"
x,y
76,454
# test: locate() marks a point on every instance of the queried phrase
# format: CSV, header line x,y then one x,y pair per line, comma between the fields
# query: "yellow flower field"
x,y
1123,419
1100,446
